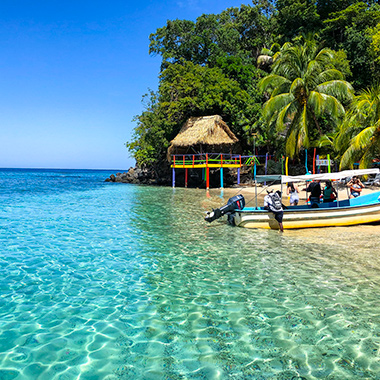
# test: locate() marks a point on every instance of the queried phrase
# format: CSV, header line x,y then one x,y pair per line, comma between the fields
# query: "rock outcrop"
x,y
142,177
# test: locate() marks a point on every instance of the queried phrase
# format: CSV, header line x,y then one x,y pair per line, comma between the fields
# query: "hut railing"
x,y
213,160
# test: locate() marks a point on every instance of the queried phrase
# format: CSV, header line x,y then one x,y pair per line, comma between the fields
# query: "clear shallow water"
x,y
108,281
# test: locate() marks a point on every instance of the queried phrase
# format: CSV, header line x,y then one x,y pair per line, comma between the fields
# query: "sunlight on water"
x,y
107,281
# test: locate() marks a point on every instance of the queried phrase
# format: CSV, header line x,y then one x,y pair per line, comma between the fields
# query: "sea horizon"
x,y
46,168
107,282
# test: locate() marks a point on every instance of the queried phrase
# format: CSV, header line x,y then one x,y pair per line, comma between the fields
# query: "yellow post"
x,y
286,165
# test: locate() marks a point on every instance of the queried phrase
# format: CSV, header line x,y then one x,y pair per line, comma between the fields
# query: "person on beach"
x,y
315,193
272,202
355,186
329,193
293,191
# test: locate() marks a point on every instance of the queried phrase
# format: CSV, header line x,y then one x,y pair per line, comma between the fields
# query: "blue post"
x,y
221,178
254,172
173,177
238,176
307,170
318,167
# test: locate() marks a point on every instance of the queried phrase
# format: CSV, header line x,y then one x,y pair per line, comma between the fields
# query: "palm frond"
x,y
363,139
276,104
272,81
340,89
284,116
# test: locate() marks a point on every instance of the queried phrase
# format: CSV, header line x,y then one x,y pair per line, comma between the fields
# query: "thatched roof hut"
x,y
201,132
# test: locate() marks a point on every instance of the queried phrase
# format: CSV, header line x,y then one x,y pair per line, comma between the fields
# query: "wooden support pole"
x,y
221,177
238,176
173,177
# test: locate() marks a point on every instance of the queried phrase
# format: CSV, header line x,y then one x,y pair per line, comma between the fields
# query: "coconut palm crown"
x,y
359,135
304,85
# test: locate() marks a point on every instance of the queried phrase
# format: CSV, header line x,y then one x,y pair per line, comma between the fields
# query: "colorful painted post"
x,y
315,151
238,176
307,169
286,165
329,163
207,173
173,177
318,166
186,177
221,178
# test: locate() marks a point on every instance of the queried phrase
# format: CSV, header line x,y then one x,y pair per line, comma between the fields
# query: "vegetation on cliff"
x,y
287,70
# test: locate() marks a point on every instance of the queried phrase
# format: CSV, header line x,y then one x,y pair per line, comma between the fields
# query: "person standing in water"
x,y
272,202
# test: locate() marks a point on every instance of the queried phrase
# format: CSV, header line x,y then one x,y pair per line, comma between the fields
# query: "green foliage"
x,y
152,133
348,30
214,65
235,32
295,17
304,86
191,90
326,7
374,34
188,90
359,135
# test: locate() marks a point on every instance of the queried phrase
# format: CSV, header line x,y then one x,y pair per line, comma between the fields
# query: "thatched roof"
x,y
205,130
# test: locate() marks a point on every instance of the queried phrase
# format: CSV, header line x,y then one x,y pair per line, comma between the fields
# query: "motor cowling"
x,y
235,203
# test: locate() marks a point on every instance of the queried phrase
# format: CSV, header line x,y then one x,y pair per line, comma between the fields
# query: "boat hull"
x,y
353,212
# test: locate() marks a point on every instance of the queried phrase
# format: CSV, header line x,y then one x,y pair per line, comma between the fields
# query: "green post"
x,y
329,163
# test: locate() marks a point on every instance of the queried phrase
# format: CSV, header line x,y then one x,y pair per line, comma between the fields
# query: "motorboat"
x,y
340,212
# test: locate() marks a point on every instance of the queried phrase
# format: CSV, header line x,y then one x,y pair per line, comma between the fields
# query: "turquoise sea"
x,y
113,281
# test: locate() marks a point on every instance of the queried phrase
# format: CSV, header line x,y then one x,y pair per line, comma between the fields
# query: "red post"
x,y
315,150
207,178
183,160
173,160
221,160
193,160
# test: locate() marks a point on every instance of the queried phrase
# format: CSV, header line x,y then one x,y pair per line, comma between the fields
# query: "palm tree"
x,y
304,85
359,135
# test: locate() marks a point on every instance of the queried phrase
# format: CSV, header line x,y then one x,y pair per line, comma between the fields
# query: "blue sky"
x,y
72,75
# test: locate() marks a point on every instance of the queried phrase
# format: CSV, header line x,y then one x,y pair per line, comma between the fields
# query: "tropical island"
x,y
288,78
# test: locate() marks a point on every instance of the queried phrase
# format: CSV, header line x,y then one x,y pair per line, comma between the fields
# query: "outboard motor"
x,y
236,202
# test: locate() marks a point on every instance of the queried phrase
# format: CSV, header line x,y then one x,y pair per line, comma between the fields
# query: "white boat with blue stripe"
x,y
361,210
